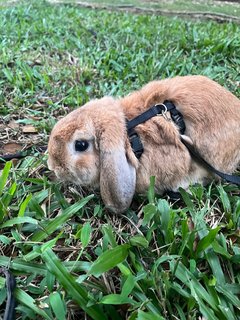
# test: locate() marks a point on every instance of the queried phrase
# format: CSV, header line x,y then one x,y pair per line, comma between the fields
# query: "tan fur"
x,y
212,118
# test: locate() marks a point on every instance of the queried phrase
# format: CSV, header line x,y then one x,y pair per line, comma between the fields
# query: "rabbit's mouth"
x,y
63,176
86,182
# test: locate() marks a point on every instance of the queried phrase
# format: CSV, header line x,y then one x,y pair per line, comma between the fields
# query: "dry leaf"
x,y
29,129
11,148
13,125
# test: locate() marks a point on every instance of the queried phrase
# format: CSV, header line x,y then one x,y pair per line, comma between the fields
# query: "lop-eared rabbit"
x,y
91,146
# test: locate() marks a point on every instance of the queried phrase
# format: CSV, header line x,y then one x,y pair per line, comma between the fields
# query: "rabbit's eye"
x,y
81,145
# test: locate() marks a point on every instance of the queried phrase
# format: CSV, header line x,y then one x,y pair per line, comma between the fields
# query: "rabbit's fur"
x,y
212,117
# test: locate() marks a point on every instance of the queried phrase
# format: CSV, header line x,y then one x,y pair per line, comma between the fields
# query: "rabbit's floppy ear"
x,y
117,163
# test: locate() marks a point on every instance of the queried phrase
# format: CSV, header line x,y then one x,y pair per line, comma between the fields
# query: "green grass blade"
x,y
86,234
108,231
75,290
148,316
151,191
4,176
36,268
19,220
128,286
109,259
215,265
229,295
58,306
206,241
57,222
139,241
183,274
116,299
23,205
28,301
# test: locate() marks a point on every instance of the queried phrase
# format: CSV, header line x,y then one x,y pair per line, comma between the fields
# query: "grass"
x,y
180,6
70,257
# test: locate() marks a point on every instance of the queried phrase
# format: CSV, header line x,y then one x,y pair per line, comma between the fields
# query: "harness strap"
x,y
158,109
161,109
228,177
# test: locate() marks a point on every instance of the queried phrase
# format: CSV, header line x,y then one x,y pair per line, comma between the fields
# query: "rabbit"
x,y
91,148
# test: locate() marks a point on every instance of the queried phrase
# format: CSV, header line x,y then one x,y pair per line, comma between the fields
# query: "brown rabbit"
x,y
91,147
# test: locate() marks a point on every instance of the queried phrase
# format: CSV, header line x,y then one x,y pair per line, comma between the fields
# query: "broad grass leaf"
x,y
207,312
108,231
229,315
206,241
197,191
58,305
235,258
109,259
133,315
148,316
8,196
23,205
21,265
184,275
188,242
197,293
164,210
4,239
128,286
40,196
97,210
236,214
234,288
180,312
225,199
215,265
184,229
149,211
28,301
187,200
4,176
35,207
151,191
36,252
36,268
86,234
50,280
19,220
179,289
163,259
229,295
82,278
78,293
8,74
124,269
116,299
139,241
217,248
62,218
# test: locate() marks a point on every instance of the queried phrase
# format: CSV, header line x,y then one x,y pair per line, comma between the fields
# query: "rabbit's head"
x,y
89,147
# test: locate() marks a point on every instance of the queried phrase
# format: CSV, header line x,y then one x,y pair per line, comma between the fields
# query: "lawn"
x,y
219,9
71,258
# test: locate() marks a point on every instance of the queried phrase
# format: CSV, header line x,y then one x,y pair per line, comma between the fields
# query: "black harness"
x,y
177,118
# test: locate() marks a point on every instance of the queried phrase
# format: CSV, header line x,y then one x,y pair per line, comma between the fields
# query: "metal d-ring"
x,y
164,112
